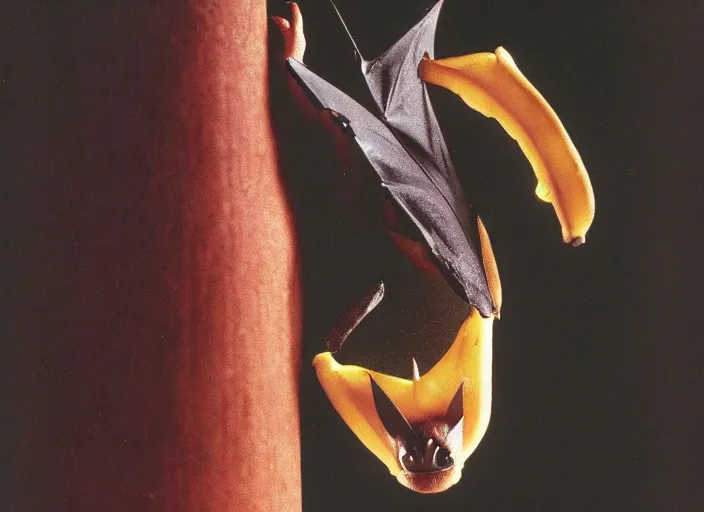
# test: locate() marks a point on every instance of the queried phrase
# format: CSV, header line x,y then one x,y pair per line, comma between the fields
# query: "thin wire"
x,y
347,30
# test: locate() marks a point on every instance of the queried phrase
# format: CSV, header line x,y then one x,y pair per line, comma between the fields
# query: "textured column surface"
x,y
156,311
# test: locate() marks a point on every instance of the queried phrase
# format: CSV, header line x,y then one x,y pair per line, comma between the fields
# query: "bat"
x,y
424,429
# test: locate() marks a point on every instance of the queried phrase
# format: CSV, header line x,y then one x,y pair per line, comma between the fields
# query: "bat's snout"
x,y
429,483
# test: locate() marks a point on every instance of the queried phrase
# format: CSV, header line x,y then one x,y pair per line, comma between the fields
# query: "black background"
x,y
598,379
597,367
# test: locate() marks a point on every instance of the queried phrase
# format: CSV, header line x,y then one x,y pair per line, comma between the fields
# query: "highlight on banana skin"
x,y
424,429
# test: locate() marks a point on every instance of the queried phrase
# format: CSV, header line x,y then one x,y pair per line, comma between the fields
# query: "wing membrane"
x,y
451,235
403,99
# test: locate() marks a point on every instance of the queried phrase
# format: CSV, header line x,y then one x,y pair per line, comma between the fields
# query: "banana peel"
x,y
492,84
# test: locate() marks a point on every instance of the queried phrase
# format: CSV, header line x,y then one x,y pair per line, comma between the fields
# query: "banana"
x,y
491,84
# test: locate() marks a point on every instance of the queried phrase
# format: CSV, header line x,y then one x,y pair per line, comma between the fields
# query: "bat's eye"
x,y
411,460
442,458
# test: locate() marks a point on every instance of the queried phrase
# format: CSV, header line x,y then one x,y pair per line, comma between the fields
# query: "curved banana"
x,y
491,84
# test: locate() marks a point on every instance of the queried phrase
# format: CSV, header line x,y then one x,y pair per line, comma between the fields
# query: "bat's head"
x,y
425,451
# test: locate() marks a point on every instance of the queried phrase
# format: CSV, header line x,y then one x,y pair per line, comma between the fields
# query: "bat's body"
x,y
424,429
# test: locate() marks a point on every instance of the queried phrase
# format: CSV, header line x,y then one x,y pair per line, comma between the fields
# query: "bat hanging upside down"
x,y
424,429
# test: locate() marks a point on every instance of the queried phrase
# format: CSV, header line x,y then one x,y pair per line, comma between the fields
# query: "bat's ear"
x,y
455,421
393,420
455,411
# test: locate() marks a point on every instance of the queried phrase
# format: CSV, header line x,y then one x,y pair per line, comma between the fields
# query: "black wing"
x,y
403,100
458,254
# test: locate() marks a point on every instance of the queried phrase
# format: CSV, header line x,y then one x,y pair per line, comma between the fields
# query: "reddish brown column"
x,y
237,367
159,302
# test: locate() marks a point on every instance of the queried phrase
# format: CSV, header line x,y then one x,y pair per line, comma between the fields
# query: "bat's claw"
x,y
416,373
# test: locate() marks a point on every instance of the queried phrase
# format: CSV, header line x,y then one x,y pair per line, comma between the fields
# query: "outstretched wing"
x,y
403,99
454,243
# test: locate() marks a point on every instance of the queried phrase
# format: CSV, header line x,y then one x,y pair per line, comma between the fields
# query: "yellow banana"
x,y
491,84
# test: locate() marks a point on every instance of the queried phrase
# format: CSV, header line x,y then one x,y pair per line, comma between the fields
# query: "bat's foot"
x,y
292,31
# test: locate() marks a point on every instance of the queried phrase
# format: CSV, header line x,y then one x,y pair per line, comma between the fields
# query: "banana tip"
x,y
578,240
